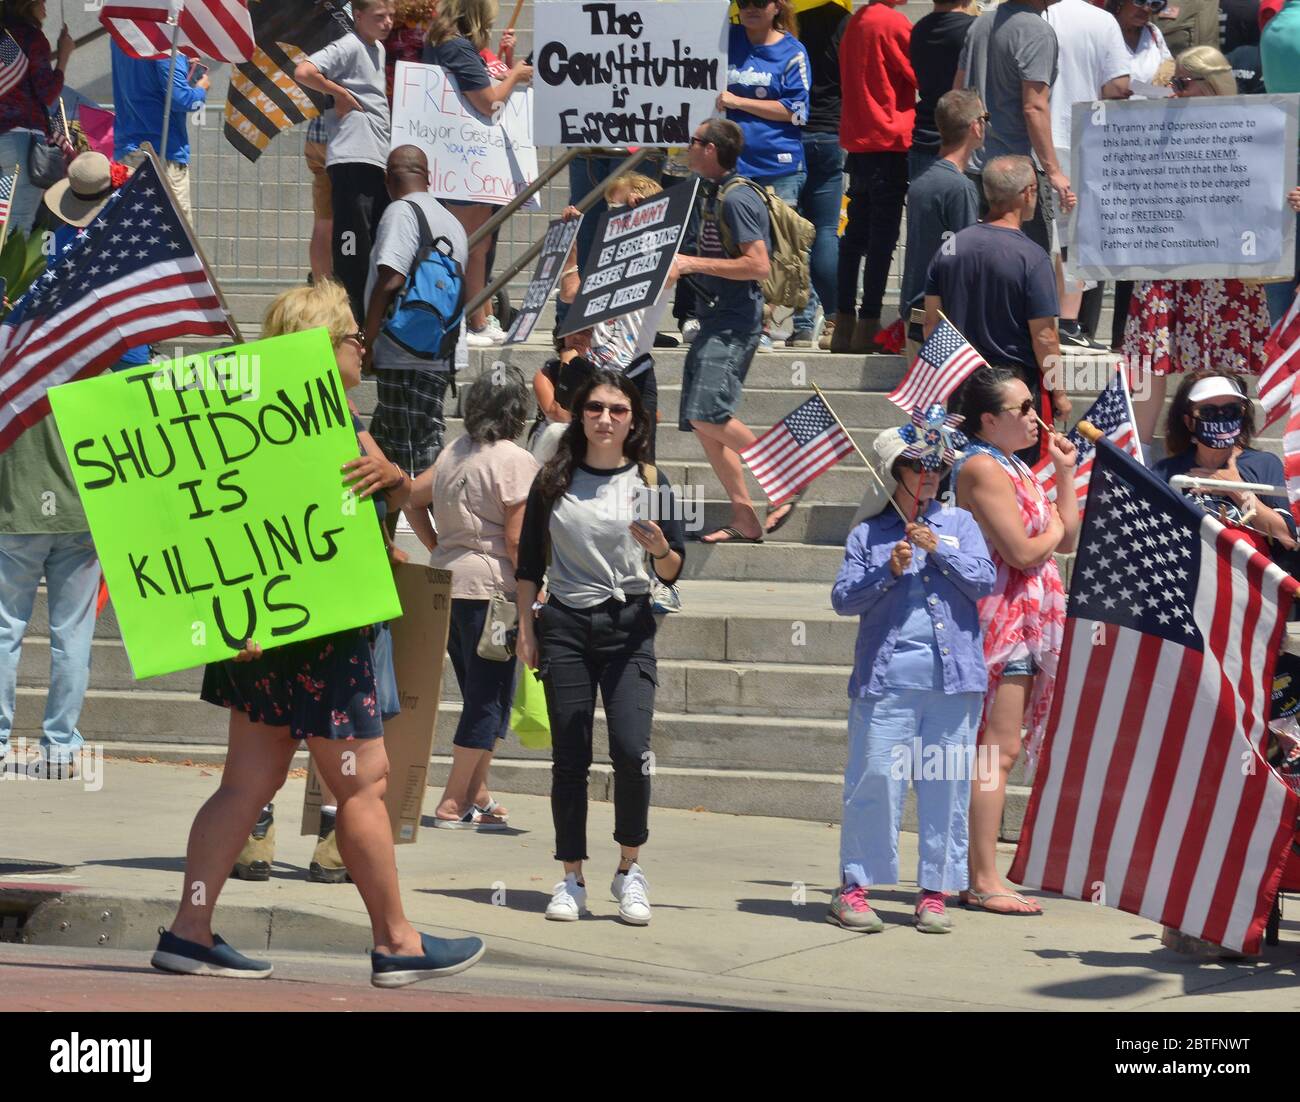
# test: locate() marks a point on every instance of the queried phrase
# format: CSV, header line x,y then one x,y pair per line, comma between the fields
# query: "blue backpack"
x,y
425,316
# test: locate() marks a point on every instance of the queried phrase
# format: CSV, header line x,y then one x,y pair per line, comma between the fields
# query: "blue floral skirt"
x,y
318,688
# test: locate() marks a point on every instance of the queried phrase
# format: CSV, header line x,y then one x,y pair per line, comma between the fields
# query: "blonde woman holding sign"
x,y
322,690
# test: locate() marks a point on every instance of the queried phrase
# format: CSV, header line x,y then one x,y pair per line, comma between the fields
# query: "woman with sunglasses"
x,y
1024,617
590,532
918,676
769,88
1176,326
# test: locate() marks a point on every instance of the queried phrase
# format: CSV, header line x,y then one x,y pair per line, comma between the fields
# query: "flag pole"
x,y
865,460
1128,406
63,116
171,81
519,6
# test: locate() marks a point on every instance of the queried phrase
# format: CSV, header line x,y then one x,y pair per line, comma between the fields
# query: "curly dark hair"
x,y
496,405
1178,437
557,476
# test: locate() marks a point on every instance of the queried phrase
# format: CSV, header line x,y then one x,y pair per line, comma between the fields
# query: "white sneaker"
x,y
632,892
690,328
479,338
568,902
494,331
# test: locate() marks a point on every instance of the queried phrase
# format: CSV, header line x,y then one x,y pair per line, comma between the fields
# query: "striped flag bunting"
x,y
798,448
1281,358
220,29
942,365
1152,794
13,64
264,99
132,277
1111,413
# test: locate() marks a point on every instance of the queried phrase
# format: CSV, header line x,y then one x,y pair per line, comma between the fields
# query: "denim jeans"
x,y
14,147
787,187
877,190
926,736
71,571
819,202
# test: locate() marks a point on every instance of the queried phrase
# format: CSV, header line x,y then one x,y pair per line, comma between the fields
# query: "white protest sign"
x,y
471,157
1184,188
625,72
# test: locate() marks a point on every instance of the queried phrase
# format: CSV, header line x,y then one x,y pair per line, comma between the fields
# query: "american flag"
x,y
1152,794
7,193
1110,414
1291,449
797,449
1281,358
942,365
220,29
131,278
13,64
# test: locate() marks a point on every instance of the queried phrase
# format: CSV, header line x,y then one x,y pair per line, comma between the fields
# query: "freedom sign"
x,y
215,496
471,156
627,74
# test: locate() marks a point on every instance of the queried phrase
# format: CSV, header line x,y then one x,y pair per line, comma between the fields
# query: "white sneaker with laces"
x,y
478,338
494,331
633,894
568,902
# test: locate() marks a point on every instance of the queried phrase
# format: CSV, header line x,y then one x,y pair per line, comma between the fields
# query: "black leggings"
x,y
360,199
611,647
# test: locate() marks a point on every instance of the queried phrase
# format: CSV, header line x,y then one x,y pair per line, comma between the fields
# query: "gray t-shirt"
x,y
396,244
359,136
941,201
1006,48
738,302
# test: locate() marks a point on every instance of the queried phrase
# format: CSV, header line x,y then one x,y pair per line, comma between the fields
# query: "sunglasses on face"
x,y
618,412
700,141
1024,409
1181,84
1153,6
358,338
1231,412
917,466
742,4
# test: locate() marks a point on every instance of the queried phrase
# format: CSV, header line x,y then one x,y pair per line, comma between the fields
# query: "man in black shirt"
x,y
935,51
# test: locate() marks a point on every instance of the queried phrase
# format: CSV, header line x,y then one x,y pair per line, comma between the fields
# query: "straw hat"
x,y
81,195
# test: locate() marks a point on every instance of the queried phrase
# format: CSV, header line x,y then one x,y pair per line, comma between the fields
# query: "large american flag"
x,y
1110,414
1291,449
220,29
1152,794
131,278
1281,358
797,449
13,64
942,365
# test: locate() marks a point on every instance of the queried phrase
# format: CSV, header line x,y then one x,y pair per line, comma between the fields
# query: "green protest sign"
x,y
213,489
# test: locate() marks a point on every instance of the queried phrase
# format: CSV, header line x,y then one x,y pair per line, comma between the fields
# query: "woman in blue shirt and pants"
x,y
918,681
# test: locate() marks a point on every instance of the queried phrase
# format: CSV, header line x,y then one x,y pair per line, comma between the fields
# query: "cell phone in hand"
x,y
197,72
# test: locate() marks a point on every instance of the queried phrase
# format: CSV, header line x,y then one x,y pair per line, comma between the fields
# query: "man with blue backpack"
x,y
415,296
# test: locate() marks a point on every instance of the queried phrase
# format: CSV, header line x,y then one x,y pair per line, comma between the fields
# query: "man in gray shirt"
x,y
408,423
351,69
1010,59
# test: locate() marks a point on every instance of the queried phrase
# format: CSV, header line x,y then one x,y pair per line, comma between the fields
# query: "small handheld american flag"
x,y
945,361
803,444
13,64
7,185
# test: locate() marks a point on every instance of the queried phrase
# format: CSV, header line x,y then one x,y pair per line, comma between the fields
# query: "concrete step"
x,y
762,562
843,484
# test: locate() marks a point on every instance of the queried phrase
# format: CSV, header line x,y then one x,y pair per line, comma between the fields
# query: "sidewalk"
x,y
739,905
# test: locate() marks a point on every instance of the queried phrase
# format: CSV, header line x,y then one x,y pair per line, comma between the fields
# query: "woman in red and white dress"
x,y
1023,619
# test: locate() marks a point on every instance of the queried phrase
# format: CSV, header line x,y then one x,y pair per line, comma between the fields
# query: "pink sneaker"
x,y
851,911
931,914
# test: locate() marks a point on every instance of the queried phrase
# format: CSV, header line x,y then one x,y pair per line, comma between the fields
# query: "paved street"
x,y
739,907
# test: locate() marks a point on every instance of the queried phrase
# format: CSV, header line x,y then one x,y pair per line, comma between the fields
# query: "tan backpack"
x,y
790,281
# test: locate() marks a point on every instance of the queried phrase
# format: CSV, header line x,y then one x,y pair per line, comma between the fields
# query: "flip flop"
x,y
790,504
975,901
734,535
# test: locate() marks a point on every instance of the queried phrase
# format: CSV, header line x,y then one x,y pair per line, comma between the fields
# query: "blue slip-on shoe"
x,y
175,954
442,957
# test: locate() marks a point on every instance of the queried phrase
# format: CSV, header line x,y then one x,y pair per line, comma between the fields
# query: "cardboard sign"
x,y
625,73
630,258
419,649
471,156
560,236
214,493
1184,188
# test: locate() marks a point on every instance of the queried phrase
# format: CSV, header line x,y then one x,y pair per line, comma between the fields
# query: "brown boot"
x,y
326,864
863,342
841,332
254,860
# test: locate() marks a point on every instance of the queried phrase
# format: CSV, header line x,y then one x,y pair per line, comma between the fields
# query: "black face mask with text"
x,y
1217,433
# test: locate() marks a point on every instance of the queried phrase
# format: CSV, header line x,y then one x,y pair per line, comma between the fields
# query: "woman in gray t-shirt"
x,y
590,530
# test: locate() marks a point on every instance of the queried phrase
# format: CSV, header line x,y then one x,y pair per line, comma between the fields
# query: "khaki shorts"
x,y
322,196
178,177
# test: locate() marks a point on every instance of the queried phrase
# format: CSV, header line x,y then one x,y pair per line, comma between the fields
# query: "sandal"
x,y
473,819
977,901
789,505
734,535
493,808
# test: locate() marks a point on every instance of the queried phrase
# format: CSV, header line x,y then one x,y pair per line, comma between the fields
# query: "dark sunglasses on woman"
x,y
752,3
616,412
1153,6
1024,409
1232,412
